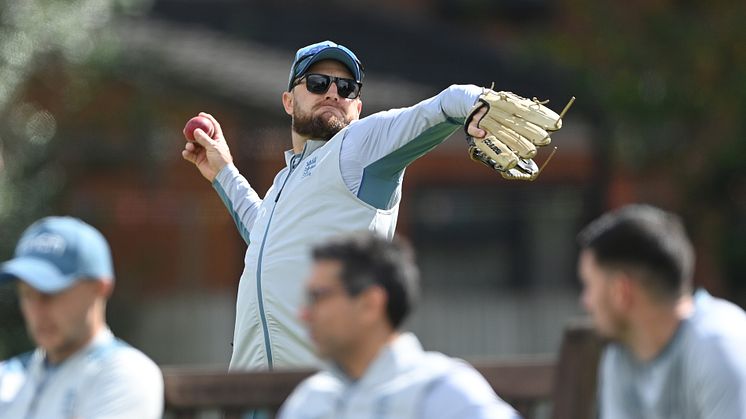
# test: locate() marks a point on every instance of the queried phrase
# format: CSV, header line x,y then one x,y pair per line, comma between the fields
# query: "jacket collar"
x,y
309,147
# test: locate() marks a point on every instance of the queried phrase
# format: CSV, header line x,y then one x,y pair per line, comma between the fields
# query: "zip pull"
x,y
277,198
293,164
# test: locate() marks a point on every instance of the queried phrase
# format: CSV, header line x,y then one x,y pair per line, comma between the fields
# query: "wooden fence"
x,y
566,385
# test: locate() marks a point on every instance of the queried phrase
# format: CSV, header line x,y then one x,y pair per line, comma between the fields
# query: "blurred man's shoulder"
x,y
717,318
118,358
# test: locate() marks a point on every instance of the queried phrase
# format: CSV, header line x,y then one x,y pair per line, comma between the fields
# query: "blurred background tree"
x,y
41,42
669,79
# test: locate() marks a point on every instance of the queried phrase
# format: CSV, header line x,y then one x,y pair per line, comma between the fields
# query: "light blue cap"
x,y
56,252
325,50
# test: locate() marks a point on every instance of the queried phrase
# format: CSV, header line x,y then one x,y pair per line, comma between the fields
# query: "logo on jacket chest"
x,y
308,168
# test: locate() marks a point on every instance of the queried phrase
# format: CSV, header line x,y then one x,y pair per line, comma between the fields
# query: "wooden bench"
x,y
565,387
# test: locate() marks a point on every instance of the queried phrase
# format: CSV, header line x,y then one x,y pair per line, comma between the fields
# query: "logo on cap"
x,y
44,243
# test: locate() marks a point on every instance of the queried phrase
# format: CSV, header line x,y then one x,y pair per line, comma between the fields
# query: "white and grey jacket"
x,y
403,382
106,379
351,182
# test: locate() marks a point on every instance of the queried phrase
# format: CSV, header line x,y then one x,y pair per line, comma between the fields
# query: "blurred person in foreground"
x,y
673,355
344,173
360,290
64,276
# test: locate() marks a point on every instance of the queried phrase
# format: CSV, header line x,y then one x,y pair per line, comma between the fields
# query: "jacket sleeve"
x,y
239,197
719,388
378,148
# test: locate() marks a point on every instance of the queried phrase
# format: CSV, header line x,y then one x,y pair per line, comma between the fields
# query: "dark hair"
x,y
648,240
367,260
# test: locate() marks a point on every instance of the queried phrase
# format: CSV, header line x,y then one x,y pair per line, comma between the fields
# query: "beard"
x,y
322,126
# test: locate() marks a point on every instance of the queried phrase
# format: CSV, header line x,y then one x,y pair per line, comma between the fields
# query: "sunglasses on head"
x,y
319,84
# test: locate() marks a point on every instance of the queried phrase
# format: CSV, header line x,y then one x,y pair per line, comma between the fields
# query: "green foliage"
x,y
666,71
72,36
669,78
13,338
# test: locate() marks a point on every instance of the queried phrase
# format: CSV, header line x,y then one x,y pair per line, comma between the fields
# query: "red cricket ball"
x,y
198,122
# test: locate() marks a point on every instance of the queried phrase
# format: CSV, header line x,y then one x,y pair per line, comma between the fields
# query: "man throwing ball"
x,y
343,174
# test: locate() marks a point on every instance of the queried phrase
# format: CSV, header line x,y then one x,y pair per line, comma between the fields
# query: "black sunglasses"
x,y
319,84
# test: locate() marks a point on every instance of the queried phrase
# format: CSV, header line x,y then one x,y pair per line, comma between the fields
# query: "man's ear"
x,y
359,106
624,291
287,102
104,288
374,300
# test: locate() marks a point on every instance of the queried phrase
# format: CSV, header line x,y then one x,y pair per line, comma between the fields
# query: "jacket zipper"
x,y
38,390
260,297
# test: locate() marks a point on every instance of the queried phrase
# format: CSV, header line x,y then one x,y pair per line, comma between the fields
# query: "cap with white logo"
x,y
55,252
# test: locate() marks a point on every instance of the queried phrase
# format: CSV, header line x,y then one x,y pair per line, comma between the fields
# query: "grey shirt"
x,y
106,379
402,382
701,373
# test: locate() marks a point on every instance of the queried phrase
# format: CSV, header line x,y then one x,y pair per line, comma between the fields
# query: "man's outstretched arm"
x,y
378,148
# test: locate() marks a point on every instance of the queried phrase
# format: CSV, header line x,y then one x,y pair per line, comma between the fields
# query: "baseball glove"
x,y
515,126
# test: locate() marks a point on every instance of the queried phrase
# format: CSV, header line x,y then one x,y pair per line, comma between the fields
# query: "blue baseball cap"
x,y
326,50
56,252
